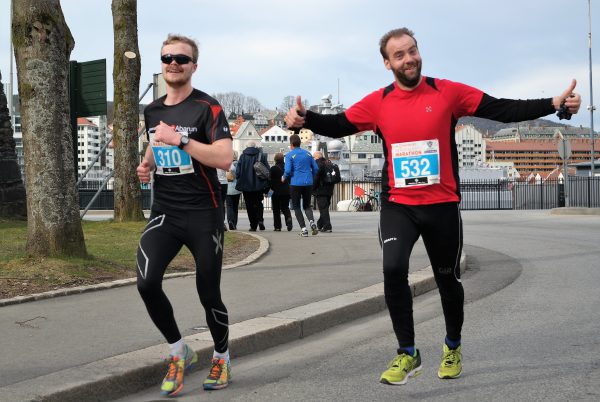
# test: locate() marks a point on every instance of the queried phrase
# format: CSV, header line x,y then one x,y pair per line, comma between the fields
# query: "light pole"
x,y
10,79
591,107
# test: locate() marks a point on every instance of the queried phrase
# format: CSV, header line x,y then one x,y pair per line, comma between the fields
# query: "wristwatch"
x,y
184,141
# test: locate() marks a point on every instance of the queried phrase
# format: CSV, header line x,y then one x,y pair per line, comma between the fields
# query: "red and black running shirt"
x,y
202,118
426,115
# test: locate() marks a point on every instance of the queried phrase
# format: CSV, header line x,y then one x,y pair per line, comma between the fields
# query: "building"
x,y
470,146
537,155
243,134
364,152
583,169
91,136
18,137
516,134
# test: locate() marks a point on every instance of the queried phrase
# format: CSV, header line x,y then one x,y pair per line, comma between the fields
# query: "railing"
x,y
476,194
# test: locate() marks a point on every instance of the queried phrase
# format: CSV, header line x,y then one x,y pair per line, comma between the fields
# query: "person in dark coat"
x,y
280,199
252,187
323,192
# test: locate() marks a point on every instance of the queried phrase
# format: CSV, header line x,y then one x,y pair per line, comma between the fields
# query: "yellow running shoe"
x,y
219,376
451,365
401,369
173,382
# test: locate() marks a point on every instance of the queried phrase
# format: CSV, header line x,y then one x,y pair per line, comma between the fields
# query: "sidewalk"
x,y
102,345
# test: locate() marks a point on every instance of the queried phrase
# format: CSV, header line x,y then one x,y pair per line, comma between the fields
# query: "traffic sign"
x,y
564,149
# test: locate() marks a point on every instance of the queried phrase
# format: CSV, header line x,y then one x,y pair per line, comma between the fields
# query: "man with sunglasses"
x,y
189,140
415,117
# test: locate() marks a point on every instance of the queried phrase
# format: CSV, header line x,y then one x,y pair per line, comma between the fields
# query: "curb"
x,y
574,211
262,249
135,371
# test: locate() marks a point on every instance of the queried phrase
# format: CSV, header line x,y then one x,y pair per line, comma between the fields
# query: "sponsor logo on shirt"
x,y
182,129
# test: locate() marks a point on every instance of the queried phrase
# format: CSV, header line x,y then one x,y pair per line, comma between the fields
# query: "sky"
x,y
270,49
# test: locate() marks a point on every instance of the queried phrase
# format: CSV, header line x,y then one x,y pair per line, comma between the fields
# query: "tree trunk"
x,y
126,78
12,191
43,44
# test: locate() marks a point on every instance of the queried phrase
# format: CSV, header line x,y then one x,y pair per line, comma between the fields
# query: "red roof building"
x,y
538,156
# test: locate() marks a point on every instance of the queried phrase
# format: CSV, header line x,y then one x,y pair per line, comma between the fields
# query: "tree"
x,y
238,103
43,43
126,78
12,191
287,103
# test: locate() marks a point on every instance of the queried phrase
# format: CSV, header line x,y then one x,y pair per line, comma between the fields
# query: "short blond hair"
x,y
176,38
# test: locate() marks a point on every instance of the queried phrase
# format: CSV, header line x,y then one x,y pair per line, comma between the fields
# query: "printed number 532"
x,y
415,168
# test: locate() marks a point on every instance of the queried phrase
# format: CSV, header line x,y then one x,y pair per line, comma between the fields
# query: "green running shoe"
x,y
219,376
173,382
401,369
451,365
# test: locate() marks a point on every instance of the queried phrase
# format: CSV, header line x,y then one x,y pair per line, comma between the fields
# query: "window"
x,y
362,156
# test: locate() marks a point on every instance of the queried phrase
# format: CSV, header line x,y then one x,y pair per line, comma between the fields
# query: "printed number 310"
x,y
169,157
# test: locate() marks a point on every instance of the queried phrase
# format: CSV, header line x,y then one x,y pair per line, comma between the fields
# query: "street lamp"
x,y
591,108
10,79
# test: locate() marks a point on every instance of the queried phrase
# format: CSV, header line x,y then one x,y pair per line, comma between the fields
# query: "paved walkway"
x,y
80,346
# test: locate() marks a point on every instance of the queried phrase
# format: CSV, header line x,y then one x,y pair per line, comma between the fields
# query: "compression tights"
x,y
165,234
440,225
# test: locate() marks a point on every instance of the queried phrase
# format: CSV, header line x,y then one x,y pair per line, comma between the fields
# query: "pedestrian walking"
x,y
300,169
190,139
233,195
416,116
251,185
325,180
280,199
222,177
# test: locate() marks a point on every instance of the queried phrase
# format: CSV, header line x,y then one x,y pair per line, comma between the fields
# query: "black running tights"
x,y
165,234
440,225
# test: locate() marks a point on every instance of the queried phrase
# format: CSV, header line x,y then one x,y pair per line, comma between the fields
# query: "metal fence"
x,y
502,194
476,194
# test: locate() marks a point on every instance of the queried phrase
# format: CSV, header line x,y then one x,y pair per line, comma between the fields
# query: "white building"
x,y
244,134
18,137
276,135
90,139
470,146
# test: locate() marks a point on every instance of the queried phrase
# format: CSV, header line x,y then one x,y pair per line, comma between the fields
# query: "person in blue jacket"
x,y
300,170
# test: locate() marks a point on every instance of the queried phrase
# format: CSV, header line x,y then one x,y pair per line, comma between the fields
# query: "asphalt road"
x,y
46,336
532,325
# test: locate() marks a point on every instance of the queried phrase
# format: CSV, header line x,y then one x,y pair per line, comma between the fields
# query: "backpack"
x,y
332,173
260,169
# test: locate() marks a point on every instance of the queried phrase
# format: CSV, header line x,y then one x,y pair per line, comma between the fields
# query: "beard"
x,y
405,80
177,82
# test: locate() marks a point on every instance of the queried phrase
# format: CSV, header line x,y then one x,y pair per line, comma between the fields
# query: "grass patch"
x,y
112,250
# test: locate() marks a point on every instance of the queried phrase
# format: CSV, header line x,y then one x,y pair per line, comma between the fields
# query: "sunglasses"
x,y
179,58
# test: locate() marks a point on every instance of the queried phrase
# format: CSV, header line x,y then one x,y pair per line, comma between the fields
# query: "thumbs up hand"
x,y
295,116
571,99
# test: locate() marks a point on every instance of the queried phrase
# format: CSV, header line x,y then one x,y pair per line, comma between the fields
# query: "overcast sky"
x,y
270,49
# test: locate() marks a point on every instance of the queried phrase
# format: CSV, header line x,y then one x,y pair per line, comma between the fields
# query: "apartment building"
x,y
91,135
470,146
538,156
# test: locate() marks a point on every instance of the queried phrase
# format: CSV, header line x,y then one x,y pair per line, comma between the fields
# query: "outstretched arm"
x,y
511,110
331,125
